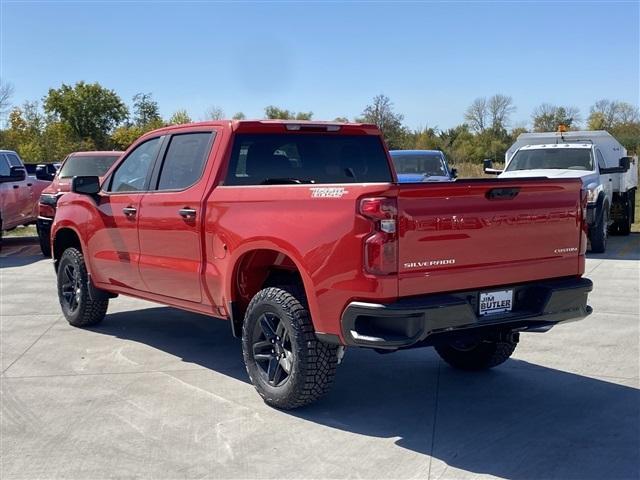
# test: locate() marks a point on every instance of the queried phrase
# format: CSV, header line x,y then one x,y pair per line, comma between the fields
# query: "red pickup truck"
x,y
75,164
300,235
19,192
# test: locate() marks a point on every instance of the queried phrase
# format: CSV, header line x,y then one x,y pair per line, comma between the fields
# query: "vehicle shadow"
x,y
520,420
620,248
20,251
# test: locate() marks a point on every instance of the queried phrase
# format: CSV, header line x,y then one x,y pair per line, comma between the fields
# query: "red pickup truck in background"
x,y
19,192
74,164
300,235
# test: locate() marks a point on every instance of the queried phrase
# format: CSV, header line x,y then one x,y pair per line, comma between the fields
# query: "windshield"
x,y
87,166
429,164
552,158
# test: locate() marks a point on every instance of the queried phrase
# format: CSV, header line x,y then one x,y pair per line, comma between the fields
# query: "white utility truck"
x,y
609,176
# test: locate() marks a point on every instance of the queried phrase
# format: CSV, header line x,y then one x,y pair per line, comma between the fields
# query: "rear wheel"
x,y
480,354
623,226
286,363
598,234
80,307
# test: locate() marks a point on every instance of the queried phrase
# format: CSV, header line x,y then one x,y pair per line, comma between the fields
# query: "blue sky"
x,y
431,58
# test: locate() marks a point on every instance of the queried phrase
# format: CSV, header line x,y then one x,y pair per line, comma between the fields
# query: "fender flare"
x,y
262,244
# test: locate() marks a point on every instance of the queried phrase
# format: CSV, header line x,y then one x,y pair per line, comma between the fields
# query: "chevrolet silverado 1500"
x,y
300,235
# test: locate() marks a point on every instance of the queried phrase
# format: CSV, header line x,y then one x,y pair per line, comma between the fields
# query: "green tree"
x,y
380,113
91,110
179,117
145,110
547,117
272,112
607,114
239,116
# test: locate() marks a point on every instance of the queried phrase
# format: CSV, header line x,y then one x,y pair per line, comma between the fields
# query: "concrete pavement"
x,y
154,392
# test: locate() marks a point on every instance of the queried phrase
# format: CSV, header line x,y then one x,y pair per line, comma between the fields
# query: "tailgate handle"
x,y
503,193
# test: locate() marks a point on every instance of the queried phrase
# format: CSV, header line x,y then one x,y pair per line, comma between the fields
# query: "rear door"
x,y
114,243
478,233
170,218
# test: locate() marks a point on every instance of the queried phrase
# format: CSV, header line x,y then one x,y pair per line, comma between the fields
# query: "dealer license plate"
x,y
496,302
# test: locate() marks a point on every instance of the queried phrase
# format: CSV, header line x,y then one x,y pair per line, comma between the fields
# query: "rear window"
x,y
87,166
307,158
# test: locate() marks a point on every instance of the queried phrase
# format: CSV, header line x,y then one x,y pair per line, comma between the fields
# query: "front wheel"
x,y
598,234
80,307
44,239
287,364
480,354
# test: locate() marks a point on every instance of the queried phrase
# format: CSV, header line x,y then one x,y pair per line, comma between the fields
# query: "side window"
x,y
184,161
131,174
14,161
601,163
4,166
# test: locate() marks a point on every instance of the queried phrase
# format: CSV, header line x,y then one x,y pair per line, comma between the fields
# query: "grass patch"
x,y
28,231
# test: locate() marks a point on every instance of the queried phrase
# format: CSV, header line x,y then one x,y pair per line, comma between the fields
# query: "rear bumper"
x,y
425,320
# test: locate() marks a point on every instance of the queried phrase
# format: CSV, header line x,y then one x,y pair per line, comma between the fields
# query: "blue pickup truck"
x,y
414,166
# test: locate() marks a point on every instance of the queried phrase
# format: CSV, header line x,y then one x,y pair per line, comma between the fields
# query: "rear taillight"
x,y
381,246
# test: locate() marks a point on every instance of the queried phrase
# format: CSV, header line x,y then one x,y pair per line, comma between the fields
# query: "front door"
x,y
170,218
115,241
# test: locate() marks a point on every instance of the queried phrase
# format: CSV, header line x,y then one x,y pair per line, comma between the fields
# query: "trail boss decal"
x,y
327,192
430,263
496,302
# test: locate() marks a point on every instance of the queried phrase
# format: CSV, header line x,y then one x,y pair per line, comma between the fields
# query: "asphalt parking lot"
x,y
154,392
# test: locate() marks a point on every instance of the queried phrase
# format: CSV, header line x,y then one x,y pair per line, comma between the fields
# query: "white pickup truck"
x,y
608,174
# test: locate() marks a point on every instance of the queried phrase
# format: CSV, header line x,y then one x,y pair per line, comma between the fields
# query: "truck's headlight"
x,y
592,193
50,200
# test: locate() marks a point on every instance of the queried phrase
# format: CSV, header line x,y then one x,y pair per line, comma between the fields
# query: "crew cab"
x,y
19,192
300,236
609,176
422,166
75,164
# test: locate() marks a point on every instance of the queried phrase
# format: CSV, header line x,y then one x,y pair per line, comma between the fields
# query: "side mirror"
x,y
488,167
18,174
488,163
88,185
454,173
43,173
623,166
625,162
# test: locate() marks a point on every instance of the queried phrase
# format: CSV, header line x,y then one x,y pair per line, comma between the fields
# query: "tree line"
x,y
88,116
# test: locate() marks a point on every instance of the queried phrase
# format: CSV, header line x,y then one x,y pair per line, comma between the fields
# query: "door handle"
x,y
188,213
29,184
16,186
129,211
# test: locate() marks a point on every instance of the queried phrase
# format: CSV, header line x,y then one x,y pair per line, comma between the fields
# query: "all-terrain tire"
x,y
312,362
623,227
43,238
483,355
598,234
80,307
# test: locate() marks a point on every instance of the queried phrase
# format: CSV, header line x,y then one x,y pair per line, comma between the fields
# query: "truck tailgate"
x,y
480,233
